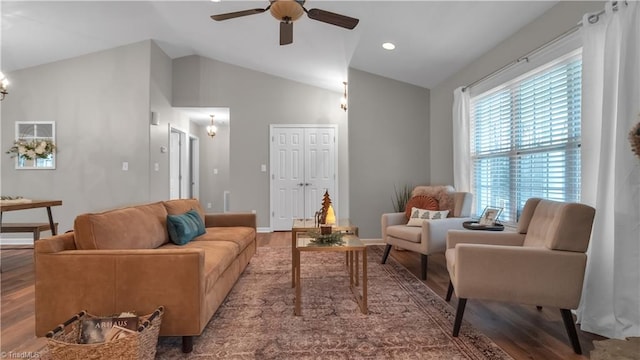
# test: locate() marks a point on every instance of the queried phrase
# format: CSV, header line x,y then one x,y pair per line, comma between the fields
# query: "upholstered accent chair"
x,y
429,237
542,263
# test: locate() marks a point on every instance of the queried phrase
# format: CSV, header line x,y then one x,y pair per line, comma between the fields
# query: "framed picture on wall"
x,y
489,216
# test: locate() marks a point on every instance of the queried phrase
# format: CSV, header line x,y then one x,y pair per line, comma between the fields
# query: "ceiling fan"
x,y
288,11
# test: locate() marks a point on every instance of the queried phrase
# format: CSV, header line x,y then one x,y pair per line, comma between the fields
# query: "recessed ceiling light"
x,y
388,46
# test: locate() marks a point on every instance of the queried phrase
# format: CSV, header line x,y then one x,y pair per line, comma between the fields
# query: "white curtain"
x,y
461,155
611,172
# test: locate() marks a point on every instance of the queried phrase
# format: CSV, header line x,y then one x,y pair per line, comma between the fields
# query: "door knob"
x,y
301,184
307,184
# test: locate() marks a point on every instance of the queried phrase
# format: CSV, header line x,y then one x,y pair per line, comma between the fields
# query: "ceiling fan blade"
x,y
286,32
231,15
333,18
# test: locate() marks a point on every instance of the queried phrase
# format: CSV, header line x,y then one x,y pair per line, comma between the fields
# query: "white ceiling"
x,y
434,39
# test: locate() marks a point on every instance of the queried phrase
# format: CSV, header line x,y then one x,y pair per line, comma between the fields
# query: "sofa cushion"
x,y
185,227
409,233
218,256
181,206
136,227
241,236
421,202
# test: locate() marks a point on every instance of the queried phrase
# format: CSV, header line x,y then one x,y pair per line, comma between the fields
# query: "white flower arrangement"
x,y
32,149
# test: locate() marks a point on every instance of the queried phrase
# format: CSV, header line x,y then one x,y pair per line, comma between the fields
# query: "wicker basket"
x,y
62,341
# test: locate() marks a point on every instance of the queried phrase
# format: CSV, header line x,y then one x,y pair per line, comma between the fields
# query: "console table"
x,y
29,227
33,204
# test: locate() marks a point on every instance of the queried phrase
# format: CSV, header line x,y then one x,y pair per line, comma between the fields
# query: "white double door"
x,y
303,166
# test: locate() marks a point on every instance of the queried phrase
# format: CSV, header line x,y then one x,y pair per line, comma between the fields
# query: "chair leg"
x,y
387,249
459,312
423,266
187,344
449,291
567,318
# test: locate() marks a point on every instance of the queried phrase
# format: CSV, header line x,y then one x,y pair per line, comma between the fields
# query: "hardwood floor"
x,y
522,331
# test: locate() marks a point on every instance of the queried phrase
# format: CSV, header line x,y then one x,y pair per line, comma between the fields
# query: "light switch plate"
x,y
125,166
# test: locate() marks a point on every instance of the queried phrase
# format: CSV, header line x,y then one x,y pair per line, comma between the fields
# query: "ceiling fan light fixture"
x,y
291,10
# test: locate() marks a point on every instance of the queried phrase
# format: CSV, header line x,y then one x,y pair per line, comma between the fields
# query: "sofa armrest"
x,y
525,275
230,219
455,237
109,281
55,243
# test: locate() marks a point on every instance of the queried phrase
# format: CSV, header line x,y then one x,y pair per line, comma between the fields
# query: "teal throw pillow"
x,y
185,227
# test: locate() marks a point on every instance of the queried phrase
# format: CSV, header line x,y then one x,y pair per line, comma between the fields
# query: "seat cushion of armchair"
x,y
408,233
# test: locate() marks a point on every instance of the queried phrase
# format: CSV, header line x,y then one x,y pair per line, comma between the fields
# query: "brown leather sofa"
x,y
123,260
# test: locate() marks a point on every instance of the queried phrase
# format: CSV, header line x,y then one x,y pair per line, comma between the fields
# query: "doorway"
x,y
303,161
181,165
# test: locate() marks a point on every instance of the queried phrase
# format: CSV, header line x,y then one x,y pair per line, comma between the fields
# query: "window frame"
x,y
23,164
513,153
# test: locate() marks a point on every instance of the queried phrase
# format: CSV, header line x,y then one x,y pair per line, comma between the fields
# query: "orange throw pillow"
x,y
423,202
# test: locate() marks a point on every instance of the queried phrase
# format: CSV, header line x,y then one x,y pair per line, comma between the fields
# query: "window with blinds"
x,y
525,139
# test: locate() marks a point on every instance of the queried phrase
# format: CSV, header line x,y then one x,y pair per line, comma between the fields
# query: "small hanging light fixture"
x,y
343,101
4,83
211,129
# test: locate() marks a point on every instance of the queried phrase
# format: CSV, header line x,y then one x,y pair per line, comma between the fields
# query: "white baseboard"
x,y
263,229
17,241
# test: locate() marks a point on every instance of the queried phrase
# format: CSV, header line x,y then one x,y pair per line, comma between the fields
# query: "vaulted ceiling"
x,y
434,39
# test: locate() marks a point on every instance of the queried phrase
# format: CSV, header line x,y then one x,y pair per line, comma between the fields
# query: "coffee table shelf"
x,y
306,225
354,249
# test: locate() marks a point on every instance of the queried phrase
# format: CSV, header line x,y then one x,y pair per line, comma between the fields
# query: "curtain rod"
x,y
592,20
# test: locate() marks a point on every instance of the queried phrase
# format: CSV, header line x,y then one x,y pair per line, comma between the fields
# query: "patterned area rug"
x,y
406,319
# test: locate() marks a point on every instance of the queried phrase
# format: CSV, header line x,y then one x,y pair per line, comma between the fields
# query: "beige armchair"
x,y
430,238
540,264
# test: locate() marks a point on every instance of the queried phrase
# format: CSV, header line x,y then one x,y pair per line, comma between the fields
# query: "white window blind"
x,y
525,139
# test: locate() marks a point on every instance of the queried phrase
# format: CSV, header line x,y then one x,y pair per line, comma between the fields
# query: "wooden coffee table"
x,y
306,225
354,249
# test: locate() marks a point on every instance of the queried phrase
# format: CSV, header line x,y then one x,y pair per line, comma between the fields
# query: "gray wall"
x,y
388,145
548,26
160,104
256,100
100,103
